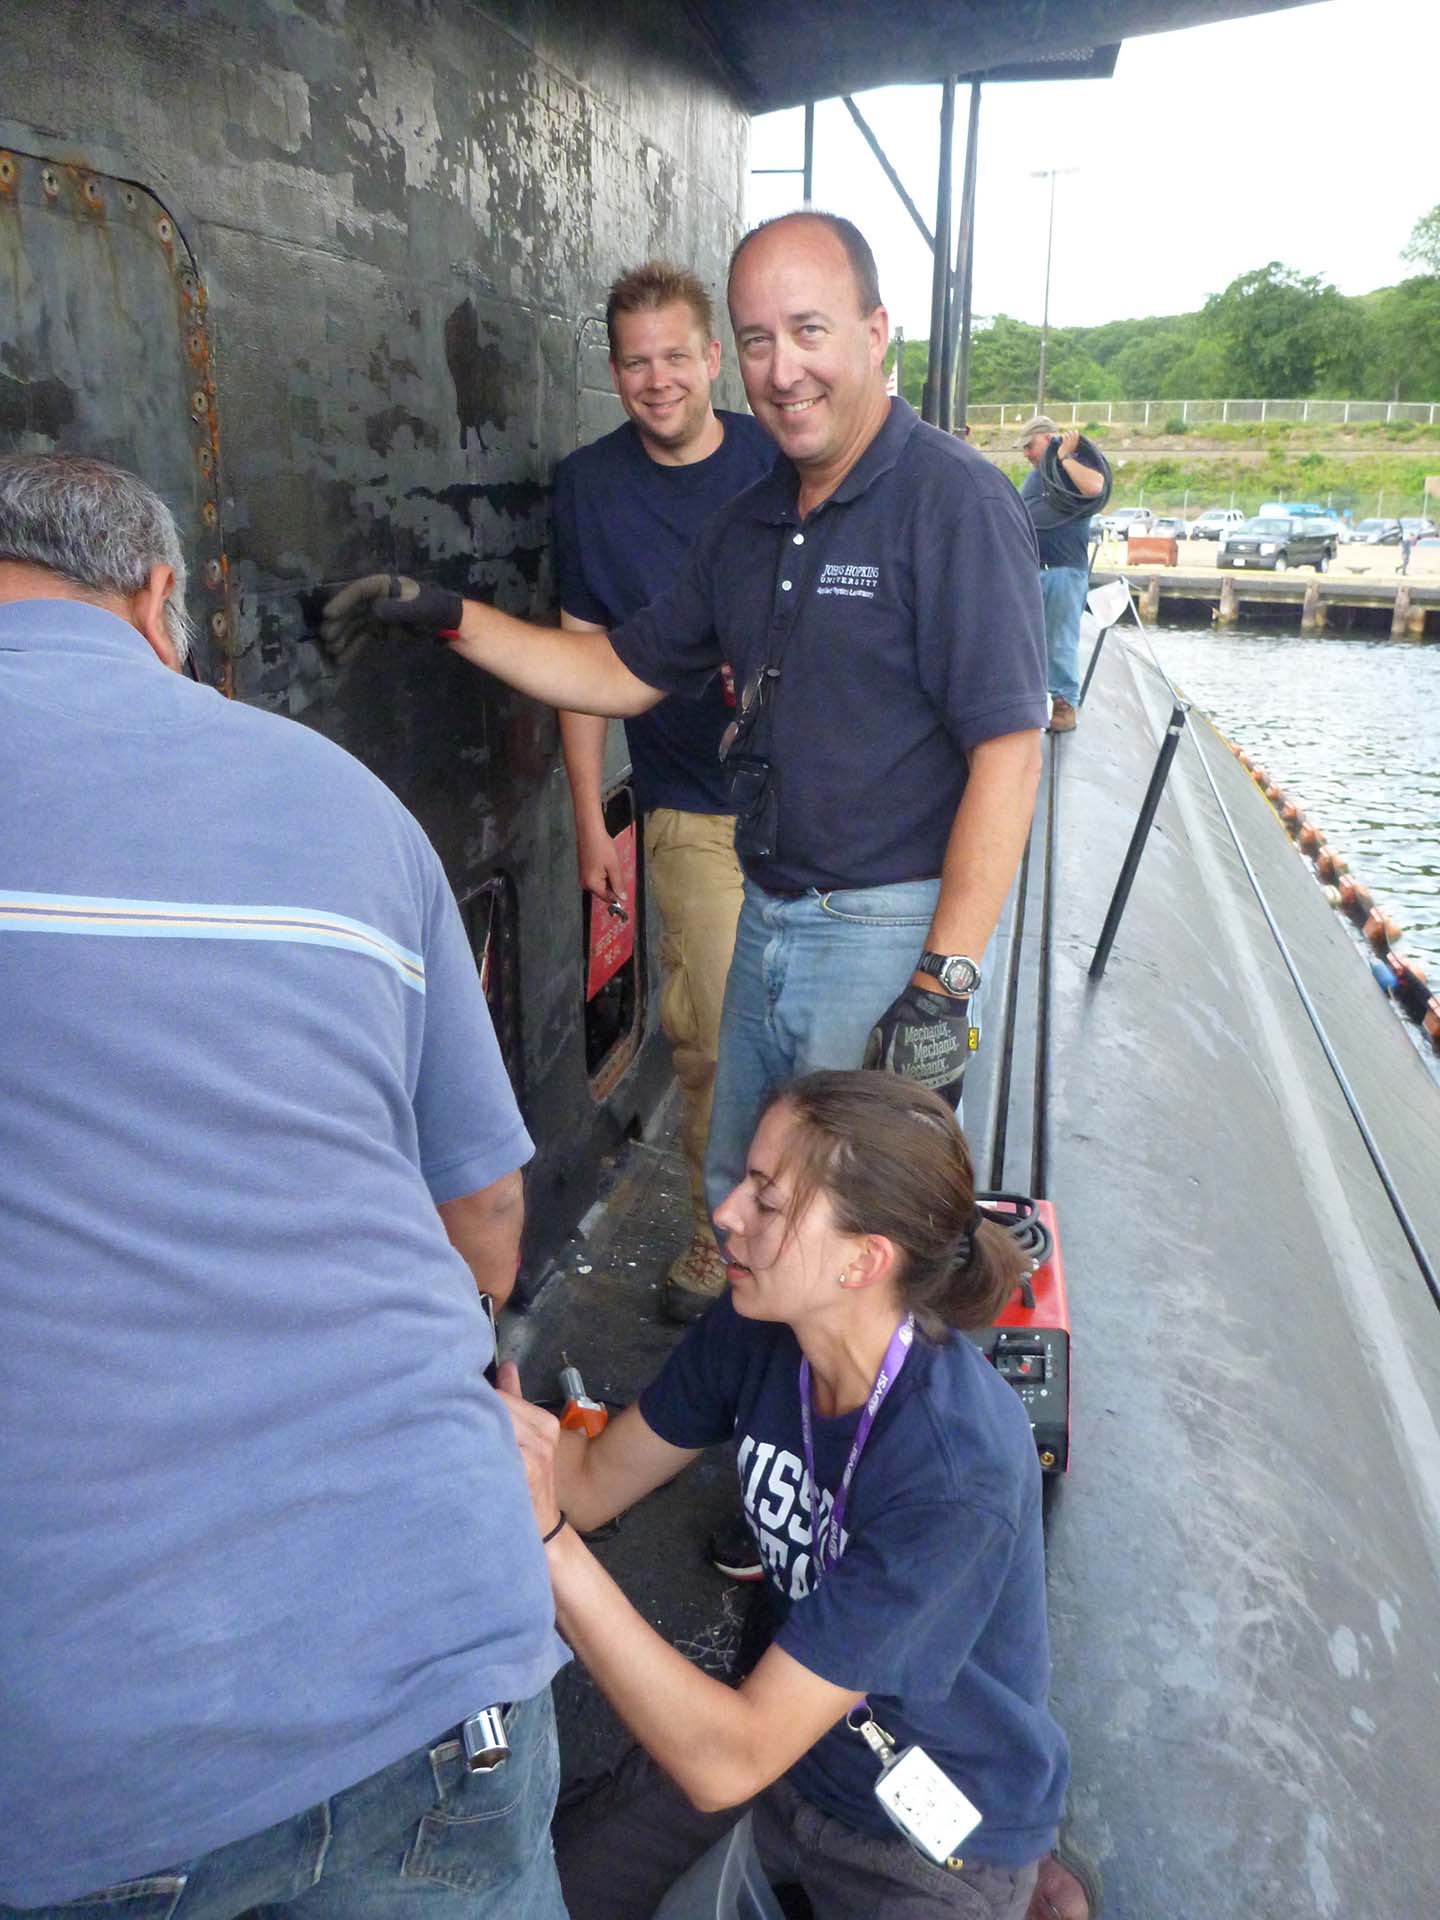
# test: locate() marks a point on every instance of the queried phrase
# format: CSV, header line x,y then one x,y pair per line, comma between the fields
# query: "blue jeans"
x,y
1063,590
423,1839
809,979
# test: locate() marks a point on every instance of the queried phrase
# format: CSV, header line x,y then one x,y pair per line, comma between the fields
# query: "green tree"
x,y
1284,334
1422,249
1401,329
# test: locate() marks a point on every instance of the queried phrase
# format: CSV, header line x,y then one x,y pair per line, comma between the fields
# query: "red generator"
x,y
1029,1345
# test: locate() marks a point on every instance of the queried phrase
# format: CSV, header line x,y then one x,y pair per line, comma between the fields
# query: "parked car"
x,y
1377,533
1215,522
1124,521
1169,525
1275,545
1418,527
1332,524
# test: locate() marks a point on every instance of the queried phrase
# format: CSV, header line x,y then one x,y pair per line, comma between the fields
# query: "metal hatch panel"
x,y
105,350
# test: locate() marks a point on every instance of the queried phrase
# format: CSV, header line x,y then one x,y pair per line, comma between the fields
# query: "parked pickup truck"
x,y
1275,545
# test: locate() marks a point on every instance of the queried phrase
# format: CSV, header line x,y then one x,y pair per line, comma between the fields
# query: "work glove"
x,y
383,600
929,1037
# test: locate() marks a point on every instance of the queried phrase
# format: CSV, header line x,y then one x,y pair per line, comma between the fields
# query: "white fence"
x,y
1144,413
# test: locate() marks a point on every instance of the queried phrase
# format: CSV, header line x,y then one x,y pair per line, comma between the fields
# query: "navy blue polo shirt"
x,y
936,1608
1067,545
623,526
906,613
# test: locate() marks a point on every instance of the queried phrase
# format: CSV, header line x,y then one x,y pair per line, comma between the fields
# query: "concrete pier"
x,y
1316,600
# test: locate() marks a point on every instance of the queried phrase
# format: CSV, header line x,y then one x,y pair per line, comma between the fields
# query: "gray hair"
x,y
95,525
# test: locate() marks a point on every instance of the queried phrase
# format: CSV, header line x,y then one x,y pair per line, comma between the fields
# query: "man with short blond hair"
x,y
627,510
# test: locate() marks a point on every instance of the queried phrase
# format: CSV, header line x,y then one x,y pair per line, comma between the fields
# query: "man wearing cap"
x,y
1064,560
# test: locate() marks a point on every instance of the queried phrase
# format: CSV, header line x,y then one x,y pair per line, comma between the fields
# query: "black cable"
x,y
1021,1221
1062,501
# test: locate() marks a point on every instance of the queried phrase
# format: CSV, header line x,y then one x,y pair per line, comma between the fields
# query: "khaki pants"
x,y
695,881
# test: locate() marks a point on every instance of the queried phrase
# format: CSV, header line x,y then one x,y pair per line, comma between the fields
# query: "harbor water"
x,y
1350,728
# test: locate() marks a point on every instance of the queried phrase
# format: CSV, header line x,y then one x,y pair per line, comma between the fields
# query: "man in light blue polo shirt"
x,y
265,1543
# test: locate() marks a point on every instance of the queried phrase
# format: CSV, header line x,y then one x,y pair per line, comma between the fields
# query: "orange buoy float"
x,y
1412,987
1312,838
1381,930
1431,1022
1356,900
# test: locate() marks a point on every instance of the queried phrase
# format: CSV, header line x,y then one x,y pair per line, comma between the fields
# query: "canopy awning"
x,y
781,53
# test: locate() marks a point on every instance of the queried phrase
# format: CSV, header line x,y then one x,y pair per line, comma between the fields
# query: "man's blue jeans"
x,y
423,1839
1063,590
810,977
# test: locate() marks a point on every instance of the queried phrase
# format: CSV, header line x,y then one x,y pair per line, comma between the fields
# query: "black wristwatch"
x,y
956,972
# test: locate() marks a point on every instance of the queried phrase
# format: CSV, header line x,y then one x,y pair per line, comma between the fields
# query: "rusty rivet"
x,y
50,181
93,195
198,401
219,625
131,198
7,170
208,514
212,573
165,230
207,459
188,283
197,343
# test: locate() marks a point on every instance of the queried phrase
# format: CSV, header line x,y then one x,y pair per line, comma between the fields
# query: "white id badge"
x,y
926,1805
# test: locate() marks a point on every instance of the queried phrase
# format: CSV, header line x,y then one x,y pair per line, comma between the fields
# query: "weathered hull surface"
x,y
330,274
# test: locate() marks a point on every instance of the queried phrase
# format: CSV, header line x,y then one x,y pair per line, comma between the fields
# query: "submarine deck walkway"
x,y
1243,1559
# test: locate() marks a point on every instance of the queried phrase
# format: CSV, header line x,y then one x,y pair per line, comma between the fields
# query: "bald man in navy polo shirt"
x,y
878,597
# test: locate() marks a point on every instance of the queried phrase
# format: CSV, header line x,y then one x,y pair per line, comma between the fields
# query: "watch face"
x,y
959,975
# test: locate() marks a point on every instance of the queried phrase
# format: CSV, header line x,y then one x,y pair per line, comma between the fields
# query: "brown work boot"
x,y
695,1281
1063,717
1068,1887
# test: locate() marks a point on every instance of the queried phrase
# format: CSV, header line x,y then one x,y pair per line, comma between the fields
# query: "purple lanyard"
x,y
827,1552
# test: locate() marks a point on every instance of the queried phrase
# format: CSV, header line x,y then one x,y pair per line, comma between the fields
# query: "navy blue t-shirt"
x,y
1068,545
623,525
905,613
936,1608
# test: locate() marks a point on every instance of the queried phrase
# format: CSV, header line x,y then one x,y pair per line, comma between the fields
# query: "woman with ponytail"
x,y
890,1478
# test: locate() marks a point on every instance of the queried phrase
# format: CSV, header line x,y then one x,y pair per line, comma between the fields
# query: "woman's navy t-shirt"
x,y
623,525
936,1608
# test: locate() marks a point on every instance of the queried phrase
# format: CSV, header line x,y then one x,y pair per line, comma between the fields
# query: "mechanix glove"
x,y
929,1037
384,600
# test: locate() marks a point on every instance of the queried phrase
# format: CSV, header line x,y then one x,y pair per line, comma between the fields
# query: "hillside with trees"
x,y
1272,333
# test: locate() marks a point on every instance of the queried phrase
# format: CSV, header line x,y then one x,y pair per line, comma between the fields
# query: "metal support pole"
x,y
809,168
891,175
1045,317
1095,653
1143,825
940,279
964,260
962,388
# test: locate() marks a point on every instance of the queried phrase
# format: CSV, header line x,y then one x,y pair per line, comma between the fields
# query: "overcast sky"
x,y
1306,135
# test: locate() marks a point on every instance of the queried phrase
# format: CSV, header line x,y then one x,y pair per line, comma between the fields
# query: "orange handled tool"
x,y
581,1414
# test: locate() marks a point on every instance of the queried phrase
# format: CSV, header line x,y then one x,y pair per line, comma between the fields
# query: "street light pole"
x,y
1050,174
